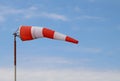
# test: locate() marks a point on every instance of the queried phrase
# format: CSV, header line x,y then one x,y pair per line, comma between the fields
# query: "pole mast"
x,y
15,34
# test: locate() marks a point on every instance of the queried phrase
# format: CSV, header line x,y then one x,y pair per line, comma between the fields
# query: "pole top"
x,y
16,33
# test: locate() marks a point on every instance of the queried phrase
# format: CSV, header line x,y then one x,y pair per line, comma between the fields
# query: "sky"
x,y
95,23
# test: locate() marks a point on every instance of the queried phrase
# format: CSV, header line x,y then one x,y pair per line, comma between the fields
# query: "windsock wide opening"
x,y
25,33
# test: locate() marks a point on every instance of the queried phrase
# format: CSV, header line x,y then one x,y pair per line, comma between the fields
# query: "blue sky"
x,y
95,23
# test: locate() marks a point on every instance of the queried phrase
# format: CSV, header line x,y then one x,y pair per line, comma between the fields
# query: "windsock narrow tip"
x,y
69,39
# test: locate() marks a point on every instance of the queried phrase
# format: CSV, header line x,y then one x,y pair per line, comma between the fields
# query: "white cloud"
x,y
79,49
55,16
27,13
53,62
6,74
87,17
5,10
48,60
60,75
91,50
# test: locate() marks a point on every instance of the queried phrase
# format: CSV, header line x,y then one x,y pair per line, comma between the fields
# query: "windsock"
x,y
32,32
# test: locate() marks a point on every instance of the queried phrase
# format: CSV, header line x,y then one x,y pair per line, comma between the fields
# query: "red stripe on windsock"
x,y
69,39
48,33
25,33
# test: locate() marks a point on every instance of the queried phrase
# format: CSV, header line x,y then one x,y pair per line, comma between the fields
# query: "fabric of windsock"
x,y
32,32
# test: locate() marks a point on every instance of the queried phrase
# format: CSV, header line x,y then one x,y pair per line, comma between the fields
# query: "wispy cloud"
x,y
55,16
87,17
5,10
28,13
60,75
8,11
48,60
89,50
92,50
54,62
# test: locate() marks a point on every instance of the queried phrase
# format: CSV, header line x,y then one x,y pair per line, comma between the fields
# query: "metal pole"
x,y
15,56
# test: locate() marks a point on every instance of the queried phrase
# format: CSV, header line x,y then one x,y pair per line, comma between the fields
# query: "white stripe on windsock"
x,y
36,32
59,36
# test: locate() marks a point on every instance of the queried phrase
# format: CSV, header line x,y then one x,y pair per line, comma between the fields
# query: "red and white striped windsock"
x,y
33,32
